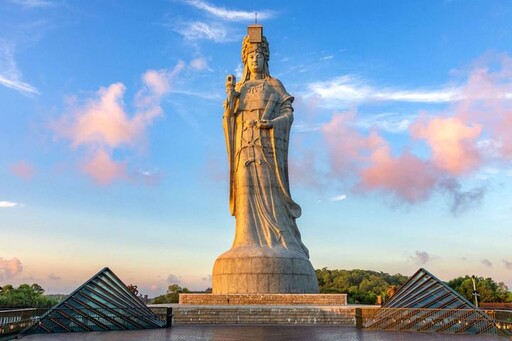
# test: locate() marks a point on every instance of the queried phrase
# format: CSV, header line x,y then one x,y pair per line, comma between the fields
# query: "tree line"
x,y
364,286
361,287
25,296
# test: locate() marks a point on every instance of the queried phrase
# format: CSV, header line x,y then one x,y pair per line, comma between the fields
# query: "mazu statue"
x,y
267,255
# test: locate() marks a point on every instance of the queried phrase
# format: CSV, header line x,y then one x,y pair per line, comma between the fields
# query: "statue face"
x,y
255,62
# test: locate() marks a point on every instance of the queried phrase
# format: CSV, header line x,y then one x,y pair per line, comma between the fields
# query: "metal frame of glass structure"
x,y
425,303
103,303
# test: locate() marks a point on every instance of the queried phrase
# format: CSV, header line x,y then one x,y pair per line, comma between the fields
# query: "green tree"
x,y
489,290
361,286
25,296
172,295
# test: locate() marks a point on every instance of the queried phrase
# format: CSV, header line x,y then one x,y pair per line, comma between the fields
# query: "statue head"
x,y
249,47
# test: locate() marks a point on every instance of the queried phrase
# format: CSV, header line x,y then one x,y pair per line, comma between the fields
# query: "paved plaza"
x,y
251,332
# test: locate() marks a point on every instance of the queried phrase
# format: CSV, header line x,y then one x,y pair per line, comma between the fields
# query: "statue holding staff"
x,y
257,119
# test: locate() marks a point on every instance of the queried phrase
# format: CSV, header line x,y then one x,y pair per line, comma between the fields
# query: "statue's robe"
x,y
258,165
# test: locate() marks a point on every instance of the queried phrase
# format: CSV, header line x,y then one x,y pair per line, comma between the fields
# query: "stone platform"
x,y
264,314
264,299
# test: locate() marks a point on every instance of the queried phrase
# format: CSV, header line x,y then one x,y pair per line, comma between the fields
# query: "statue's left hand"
x,y
264,124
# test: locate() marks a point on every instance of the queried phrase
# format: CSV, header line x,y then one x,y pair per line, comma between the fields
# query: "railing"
x,y
14,321
455,321
504,320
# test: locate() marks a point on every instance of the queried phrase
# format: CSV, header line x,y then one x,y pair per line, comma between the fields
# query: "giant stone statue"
x,y
267,255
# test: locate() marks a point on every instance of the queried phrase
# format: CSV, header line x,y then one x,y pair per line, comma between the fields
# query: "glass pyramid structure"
x,y
103,303
425,303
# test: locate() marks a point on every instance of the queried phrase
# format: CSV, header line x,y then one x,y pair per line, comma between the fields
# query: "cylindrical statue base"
x,y
263,270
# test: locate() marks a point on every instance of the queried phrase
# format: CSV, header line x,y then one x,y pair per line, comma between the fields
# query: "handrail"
x,y
458,321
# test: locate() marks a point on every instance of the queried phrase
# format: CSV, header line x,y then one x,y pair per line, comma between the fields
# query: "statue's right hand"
x,y
264,124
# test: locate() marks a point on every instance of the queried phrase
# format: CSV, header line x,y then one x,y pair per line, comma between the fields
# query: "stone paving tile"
x,y
256,333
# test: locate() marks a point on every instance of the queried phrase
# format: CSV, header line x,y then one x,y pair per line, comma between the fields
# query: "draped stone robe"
x,y
258,164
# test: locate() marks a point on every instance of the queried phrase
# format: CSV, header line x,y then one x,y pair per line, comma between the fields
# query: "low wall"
x,y
265,299
303,315
496,306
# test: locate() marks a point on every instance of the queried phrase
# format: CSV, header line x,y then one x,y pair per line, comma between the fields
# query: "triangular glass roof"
x,y
102,303
425,303
424,290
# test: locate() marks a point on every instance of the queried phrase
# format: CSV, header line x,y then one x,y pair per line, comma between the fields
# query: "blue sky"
x,y
113,153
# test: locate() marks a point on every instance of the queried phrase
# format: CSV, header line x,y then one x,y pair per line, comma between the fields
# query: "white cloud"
x,y
7,204
230,15
10,76
199,64
32,3
349,89
340,197
327,57
390,122
198,30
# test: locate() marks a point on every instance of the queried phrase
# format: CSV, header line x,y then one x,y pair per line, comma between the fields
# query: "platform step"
x,y
332,315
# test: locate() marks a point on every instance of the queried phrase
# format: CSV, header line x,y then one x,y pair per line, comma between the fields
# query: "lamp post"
x,y
475,292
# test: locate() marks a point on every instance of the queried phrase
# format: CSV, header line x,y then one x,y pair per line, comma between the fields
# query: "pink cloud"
x,y
347,148
473,132
23,169
420,257
452,141
102,121
103,124
406,177
103,169
9,268
367,159
487,100
508,264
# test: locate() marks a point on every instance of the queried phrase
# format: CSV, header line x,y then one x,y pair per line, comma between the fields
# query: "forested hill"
x,y
363,286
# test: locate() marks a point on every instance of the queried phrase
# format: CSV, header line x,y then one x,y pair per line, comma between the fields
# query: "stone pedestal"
x,y
264,299
263,270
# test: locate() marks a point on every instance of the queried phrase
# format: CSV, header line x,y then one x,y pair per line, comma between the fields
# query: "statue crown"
x,y
255,41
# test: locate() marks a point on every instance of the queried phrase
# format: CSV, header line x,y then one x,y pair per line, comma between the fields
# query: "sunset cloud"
x,y
487,263
23,169
103,124
453,143
420,257
9,268
173,279
508,264
406,176
103,169
347,147
367,159
461,140
53,277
